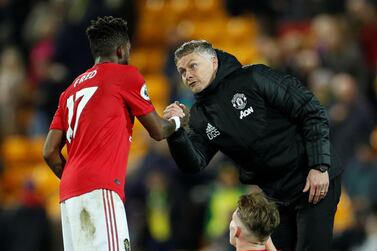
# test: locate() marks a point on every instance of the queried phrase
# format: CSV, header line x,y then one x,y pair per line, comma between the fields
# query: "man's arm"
x,y
189,150
159,128
288,95
54,143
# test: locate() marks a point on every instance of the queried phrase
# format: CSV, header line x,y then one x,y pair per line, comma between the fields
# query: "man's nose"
x,y
188,76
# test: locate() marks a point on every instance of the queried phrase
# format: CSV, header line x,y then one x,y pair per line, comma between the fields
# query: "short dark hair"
x,y
105,34
198,46
259,215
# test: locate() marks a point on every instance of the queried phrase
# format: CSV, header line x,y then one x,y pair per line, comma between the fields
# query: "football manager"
x,y
272,127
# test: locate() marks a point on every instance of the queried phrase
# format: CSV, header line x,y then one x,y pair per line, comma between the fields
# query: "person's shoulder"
x,y
128,73
132,71
257,68
122,68
262,73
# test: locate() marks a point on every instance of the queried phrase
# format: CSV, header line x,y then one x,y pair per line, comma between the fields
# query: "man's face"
x,y
197,70
233,228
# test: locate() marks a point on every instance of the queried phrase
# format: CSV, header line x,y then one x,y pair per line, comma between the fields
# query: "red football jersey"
x,y
97,114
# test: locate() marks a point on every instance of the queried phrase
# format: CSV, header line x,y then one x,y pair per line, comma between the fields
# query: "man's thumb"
x,y
307,186
182,105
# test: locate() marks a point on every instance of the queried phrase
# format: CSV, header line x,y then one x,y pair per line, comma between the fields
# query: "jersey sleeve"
x,y
57,121
134,90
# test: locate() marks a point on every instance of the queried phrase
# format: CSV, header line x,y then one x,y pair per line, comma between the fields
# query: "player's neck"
x,y
111,59
246,246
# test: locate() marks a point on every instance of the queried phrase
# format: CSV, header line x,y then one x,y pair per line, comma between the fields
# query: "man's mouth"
x,y
192,84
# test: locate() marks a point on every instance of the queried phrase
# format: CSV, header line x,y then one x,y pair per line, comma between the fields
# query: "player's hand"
x,y
173,110
318,183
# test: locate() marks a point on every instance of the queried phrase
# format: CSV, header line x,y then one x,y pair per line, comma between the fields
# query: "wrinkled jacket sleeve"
x,y
288,95
190,150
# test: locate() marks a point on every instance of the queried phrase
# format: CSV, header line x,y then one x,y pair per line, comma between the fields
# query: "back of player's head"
x,y
194,46
106,34
258,215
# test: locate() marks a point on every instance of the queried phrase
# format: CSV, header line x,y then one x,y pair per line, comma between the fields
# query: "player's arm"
x,y
54,143
159,128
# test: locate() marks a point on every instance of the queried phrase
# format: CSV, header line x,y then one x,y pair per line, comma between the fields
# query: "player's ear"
x,y
122,51
119,52
238,232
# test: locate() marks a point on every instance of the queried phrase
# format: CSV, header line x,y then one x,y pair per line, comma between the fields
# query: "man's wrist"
x,y
322,168
177,122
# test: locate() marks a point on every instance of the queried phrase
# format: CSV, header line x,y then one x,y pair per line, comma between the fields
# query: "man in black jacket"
x,y
273,128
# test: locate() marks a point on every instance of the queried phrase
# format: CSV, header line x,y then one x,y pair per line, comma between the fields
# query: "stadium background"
x,y
330,45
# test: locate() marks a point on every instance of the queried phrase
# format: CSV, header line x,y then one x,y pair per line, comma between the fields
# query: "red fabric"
x,y
98,148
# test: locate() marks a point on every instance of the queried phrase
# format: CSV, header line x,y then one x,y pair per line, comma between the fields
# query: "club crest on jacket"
x,y
239,101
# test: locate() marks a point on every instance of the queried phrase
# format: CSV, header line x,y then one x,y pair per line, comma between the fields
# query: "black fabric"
x,y
275,133
308,225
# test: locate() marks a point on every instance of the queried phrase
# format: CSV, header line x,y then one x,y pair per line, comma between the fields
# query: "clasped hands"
x,y
179,110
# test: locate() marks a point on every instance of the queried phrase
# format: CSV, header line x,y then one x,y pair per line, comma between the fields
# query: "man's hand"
x,y
318,183
177,109
173,110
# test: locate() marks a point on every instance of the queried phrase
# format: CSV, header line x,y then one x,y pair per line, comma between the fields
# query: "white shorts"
x,y
95,221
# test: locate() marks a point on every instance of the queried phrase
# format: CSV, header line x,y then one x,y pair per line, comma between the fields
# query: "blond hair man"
x,y
253,222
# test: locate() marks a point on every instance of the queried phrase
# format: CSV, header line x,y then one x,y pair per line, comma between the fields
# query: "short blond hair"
x,y
202,47
258,214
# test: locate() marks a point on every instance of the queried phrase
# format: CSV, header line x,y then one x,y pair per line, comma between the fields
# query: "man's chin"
x,y
196,90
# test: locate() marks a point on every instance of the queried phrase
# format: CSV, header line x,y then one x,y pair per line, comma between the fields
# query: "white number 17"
x,y
86,94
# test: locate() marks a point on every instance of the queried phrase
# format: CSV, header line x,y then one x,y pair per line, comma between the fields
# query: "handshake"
x,y
179,113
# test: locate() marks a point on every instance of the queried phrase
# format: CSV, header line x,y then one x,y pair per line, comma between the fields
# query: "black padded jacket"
x,y
267,122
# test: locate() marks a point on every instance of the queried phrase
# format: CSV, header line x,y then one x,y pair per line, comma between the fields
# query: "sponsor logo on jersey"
x,y
144,93
212,132
239,101
247,112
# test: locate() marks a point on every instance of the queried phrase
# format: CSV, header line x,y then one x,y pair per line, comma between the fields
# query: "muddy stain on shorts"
x,y
87,225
